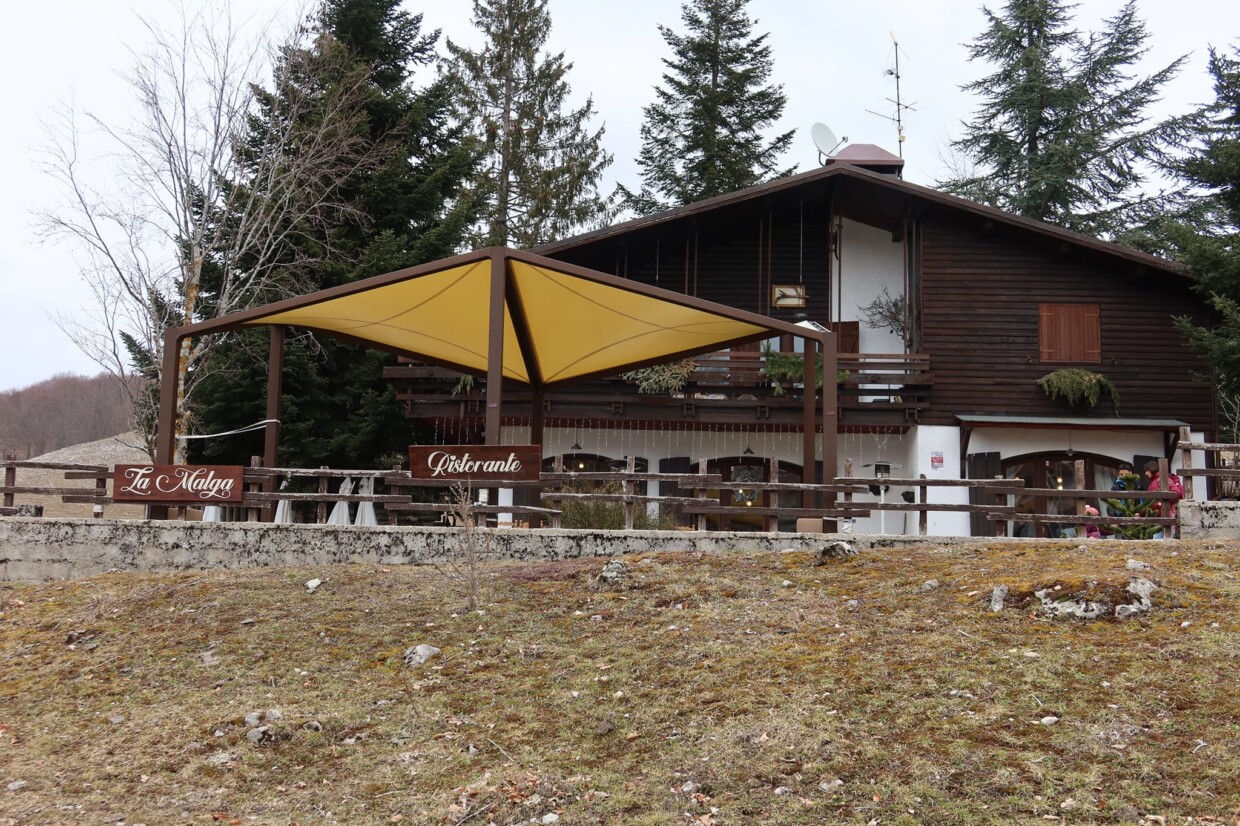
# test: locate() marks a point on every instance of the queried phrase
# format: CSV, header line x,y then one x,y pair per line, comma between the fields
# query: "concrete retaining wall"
x,y
1209,520
42,549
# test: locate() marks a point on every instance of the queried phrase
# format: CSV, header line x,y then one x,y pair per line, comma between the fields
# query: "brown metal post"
x,y
166,426
809,421
495,348
830,410
169,385
536,438
275,382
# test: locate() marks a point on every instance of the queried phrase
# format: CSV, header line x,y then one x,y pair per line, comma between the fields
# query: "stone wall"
x,y
42,549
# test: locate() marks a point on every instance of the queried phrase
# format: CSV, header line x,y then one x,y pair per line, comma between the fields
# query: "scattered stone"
x,y
853,603
208,658
248,621
1049,720
419,654
253,719
313,584
787,583
997,596
782,790
116,719
828,785
688,787
1137,565
838,549
312,725
259,735
1064,605
17,785
273,715
930,585
1141,589
219,732
605,727
220,758
614,572
549,818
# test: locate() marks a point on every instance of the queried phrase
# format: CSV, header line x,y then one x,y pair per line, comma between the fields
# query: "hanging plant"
x,y
1079,387
662,379
789,368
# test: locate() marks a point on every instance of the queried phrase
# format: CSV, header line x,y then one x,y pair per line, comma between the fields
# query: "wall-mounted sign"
x,y
936,460
158,484
465,463
788,295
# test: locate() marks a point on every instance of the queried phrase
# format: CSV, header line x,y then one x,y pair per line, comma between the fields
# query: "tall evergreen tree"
x,y
407,208
1209,247
542,163
1062,132
704,134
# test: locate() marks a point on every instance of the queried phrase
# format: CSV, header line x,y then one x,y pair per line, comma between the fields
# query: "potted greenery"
x,y
1079,388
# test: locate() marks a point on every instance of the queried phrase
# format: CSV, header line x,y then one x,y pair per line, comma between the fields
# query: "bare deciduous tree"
x,y
214,187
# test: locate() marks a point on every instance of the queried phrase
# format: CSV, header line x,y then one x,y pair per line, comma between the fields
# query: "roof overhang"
x,y
558,322
1068,422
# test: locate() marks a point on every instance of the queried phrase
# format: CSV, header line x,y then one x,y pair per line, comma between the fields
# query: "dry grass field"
x,y
737,689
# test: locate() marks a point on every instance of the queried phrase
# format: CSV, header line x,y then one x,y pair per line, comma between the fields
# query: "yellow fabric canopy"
x,y
575,323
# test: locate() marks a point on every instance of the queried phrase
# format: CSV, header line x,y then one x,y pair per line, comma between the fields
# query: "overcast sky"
x,y
831,57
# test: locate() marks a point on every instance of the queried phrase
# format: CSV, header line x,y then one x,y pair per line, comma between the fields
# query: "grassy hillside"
x,y
744,689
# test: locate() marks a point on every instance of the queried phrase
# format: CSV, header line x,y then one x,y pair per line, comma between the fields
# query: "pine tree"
x,y
406,208
1062,132
703,134
1209,246
542,162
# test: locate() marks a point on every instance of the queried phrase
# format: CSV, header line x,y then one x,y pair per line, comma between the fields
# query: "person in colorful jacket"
x,y
1155,483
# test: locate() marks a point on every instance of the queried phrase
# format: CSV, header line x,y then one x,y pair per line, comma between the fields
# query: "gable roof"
x,y
869,192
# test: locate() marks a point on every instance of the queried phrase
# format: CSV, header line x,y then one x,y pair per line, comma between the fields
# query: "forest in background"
x,y
61,411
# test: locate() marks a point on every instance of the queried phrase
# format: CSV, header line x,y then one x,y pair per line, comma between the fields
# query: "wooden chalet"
x,y
947,314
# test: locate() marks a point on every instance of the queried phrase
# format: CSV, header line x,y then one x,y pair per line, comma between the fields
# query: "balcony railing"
x,y
730,386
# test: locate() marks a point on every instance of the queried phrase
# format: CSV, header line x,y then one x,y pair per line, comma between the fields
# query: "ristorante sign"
x,y
205,484
466,463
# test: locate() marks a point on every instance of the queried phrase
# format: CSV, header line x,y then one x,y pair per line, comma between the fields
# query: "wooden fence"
x,y
558,487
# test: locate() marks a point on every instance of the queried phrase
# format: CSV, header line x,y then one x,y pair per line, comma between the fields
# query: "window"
x,y
1069,332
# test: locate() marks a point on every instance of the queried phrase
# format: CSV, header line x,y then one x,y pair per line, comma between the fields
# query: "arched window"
x,y
1056,470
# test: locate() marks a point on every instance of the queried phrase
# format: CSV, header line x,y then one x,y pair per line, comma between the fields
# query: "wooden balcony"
x,y
877,389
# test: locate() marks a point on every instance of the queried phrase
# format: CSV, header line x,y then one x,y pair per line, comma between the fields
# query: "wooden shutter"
x,y
982,466
849,333
1069,333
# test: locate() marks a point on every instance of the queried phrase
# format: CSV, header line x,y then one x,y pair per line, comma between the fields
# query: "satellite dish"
x,y
825,140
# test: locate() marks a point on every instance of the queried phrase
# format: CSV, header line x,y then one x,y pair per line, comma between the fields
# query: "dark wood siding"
x,y
980,299
733,257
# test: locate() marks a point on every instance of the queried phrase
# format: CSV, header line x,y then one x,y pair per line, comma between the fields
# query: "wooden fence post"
x,y
251,513
10,477
700,492
1186,461
923,517
320,510
630,488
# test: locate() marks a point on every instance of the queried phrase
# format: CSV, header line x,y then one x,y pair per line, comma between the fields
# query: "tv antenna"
x,y
901,106
825,140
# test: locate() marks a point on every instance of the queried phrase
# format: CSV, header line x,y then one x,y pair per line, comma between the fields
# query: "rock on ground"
x,y
419,654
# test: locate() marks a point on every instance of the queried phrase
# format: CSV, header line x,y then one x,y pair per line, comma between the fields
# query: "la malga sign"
x,y
465,463
173,484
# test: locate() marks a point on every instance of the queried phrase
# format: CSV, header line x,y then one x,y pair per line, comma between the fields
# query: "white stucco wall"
x,y
869,261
